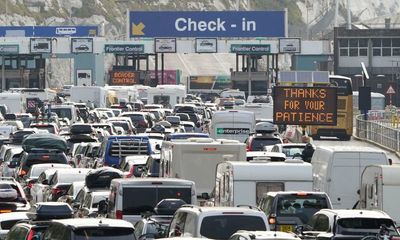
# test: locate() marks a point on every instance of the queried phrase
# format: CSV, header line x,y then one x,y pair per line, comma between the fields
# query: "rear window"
x,y
140,200
303,207
49,128
359,226
104,233
7,225
222,227
257,144
45,158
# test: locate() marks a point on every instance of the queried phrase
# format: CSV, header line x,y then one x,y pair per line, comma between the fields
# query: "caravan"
x,y
195,159
13,101
232,124
89,95
167,95
245,183
379,189
331,164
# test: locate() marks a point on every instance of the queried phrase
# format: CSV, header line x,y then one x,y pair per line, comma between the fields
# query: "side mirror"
x,y
299,230
158,147
205,196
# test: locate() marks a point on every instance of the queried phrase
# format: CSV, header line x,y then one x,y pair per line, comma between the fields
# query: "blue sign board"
x,y
48,31
207,24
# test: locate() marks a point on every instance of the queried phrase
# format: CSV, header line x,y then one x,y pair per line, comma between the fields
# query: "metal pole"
x,y
3,77
156,67
249,71
162,68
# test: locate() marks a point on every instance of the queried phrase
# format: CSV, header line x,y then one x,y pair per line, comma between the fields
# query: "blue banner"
x,y
48,31
207,24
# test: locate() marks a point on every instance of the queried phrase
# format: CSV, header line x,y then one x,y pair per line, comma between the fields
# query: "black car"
x,y
39,156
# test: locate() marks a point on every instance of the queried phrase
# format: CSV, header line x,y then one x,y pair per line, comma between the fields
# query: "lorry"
x,y
232,124
337,171
196,159
89,94
379,188
167,95
245,183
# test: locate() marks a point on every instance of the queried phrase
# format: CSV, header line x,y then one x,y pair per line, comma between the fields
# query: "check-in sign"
x,y
305,105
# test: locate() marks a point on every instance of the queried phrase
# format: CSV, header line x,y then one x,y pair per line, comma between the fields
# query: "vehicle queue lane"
x,y
356,143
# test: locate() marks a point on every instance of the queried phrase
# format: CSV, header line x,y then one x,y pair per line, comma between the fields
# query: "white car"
x,y
42,184
10,161
291,150
8,220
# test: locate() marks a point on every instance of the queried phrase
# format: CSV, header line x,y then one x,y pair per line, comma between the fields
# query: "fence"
x,y
381,128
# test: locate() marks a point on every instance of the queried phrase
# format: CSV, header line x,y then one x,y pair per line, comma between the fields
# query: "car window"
x,y
267,205
139,229
357,226
265,187
17,233
190,226
117,233
177,226
223,226
322,223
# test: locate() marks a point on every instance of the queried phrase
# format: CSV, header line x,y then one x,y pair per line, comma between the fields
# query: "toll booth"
x,y
248,76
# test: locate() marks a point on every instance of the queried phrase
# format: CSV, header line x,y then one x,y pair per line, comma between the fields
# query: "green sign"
x,y
124,48
233,131
251,48
9,49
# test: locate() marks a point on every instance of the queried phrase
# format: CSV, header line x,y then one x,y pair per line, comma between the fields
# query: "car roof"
x,y
221,210
294,192
74,171
76,223
354,213
13,216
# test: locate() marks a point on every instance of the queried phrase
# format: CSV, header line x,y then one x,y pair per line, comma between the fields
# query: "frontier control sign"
x,y
305,105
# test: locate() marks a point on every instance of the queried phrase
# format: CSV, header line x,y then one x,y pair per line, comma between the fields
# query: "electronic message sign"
x,y
305,105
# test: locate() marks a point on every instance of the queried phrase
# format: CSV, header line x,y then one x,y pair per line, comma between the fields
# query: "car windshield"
x,y
363,226
149,197
104,233
257,144
222,227
301,206
63,112
291,151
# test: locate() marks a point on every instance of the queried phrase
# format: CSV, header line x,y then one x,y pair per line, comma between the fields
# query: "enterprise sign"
x,y
124,48
305,105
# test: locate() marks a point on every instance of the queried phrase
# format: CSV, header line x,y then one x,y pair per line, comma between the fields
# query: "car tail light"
x,y
142,124
31,235
130,172
272,219
118,214
29,185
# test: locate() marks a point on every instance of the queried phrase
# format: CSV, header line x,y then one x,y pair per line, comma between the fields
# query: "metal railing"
x,y
381,128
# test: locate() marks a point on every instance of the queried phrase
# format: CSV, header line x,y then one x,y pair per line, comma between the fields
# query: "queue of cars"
x,y
183,169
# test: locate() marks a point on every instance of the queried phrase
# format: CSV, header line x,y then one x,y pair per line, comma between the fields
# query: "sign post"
x,y
390,92
305,105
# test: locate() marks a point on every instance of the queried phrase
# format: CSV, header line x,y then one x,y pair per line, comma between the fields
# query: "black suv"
x,y
37,156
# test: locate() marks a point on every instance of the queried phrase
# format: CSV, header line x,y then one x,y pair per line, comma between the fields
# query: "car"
x,y
39,219
133,166
152,167
72,192
12,196
33,174
37,156
82,48
17,137
258,141
50,127
141,120
11,161
347,224
88,228
291,150
263,235
8,220
215,222
60,182
151,227
286,210
91,201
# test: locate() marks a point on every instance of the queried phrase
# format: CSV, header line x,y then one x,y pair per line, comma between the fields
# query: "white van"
x,y
195,159
260,110
167,95
67,111
337,171
13,101
232,124
89,94
380,188
131,197
244,183
233,93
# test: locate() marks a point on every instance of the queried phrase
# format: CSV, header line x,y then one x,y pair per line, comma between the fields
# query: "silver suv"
x,y
216,222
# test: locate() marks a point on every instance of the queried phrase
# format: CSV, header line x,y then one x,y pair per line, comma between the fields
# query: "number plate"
x,y
286,228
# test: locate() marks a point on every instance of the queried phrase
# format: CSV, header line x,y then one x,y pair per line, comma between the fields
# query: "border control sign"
x,y
305,105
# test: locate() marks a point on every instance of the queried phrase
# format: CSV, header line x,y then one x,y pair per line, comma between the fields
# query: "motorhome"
x,y
89,95
244,183
167,95
196,159
232,124
124,94
42,94
337,171
260,110
380,185
13,101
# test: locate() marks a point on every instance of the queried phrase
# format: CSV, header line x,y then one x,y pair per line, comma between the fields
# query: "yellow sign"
x,y
137,29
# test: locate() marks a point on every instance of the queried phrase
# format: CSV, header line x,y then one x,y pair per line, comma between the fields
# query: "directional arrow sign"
x,y
390,90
